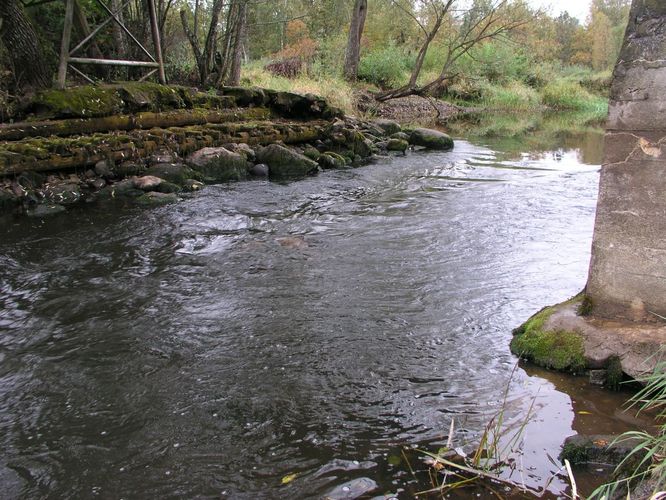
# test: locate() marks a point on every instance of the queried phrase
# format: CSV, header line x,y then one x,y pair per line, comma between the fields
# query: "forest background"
x,y
497,54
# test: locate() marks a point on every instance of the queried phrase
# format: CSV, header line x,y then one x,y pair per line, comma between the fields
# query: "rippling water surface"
x,y
257,330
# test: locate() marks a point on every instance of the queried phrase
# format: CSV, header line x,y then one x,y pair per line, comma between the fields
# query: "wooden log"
x,y
177,118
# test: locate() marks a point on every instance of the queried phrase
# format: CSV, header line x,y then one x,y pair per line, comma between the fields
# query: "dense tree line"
x,y
206,42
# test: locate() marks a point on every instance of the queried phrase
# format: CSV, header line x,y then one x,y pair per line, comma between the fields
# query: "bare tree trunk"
x,y
239,40
353,52
211,39
194,43
20,39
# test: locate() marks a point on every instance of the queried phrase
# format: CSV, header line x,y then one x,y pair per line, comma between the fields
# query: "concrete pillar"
x,y
628,267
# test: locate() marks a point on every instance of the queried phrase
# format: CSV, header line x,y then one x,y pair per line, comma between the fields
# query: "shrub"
x,y
288,68
386,67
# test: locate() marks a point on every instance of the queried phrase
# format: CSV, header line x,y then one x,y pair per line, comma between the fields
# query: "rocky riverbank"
x,y
149,143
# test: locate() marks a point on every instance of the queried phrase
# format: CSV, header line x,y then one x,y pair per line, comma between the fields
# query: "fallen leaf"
x,y
583,412
289,478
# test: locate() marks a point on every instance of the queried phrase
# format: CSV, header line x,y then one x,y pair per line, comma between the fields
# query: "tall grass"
x,y
568,94
334,89
649,454
514,95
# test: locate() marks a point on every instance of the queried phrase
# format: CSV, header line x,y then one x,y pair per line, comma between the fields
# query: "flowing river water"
x,y
302,333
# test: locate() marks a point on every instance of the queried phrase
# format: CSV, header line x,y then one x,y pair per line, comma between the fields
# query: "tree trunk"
x,y
20,39
239,40
353,52
196,50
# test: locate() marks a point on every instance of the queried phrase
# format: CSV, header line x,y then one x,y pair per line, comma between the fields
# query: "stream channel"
x,y
286,340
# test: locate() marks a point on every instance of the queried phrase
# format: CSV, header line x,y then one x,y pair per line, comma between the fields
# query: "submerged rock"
x,y
598,449
45,210
8,199
350,490
430,139
284,162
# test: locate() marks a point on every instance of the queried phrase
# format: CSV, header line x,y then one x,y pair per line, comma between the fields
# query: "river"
x,y
302,333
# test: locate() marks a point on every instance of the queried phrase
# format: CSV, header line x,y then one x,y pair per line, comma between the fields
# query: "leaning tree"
x,y
465,28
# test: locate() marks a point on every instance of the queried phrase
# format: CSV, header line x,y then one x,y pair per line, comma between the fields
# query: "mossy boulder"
x,y
397,145
301,106
155,199
78,102
284,162
312,153
403,136
172,172
122,189
560,350
431,139
64,194
147,96
389,127
331,160
246,96
218,164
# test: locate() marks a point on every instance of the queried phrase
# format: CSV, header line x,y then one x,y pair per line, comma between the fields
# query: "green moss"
x,y
560,350
586,305
78,102
574,453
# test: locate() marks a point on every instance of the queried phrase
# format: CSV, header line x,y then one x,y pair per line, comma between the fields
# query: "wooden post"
x,y
64,46
156,40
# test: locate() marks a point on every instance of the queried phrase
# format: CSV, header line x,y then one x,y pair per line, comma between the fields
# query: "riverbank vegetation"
x,y
644,469
498,54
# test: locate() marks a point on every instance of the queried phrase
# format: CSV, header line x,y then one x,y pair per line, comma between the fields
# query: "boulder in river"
x,y
155,199
389,127
63,193
430,139
397,145
219,164
147,182
172,172
284,162
260,170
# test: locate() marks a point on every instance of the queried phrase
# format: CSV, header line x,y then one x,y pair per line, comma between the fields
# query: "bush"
x,y
288,68
386,67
